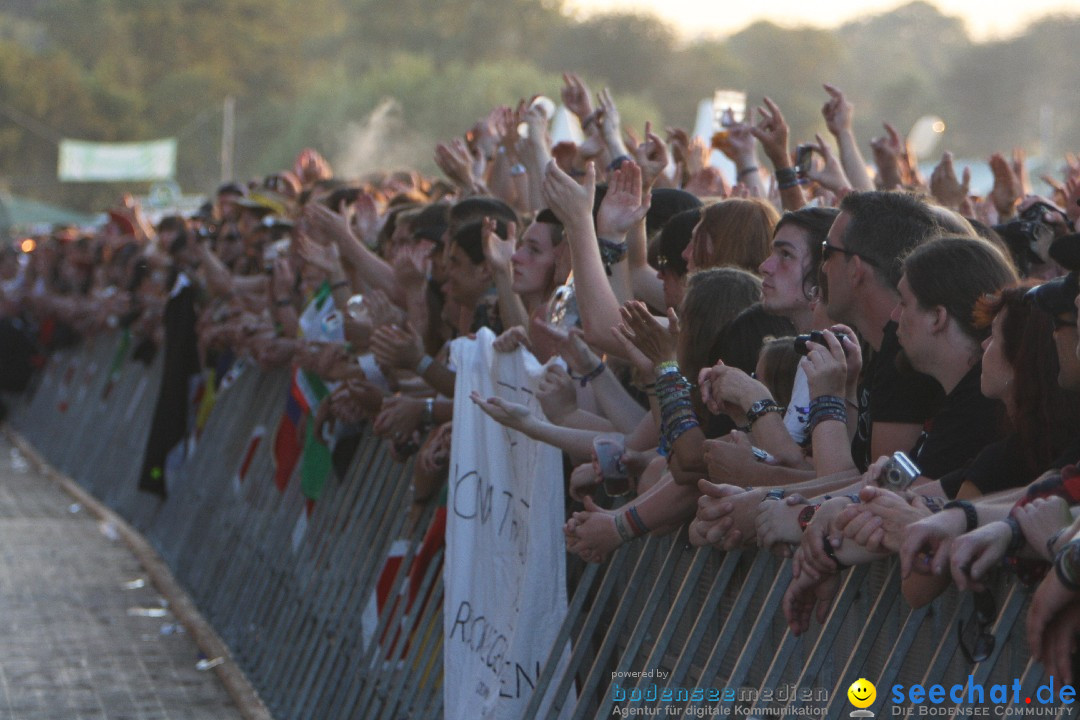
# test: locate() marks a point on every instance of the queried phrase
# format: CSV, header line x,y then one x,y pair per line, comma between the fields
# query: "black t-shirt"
x,y
967,422
1069,456
999,466
888,395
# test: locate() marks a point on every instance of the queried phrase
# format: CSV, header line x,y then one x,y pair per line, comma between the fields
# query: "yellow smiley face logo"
x,y
862,693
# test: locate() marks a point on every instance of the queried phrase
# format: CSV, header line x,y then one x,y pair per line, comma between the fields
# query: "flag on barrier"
x,y
380,604
287,445
170,423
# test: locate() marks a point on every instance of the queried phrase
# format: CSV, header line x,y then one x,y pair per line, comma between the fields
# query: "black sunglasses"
x,y
980,647
827,250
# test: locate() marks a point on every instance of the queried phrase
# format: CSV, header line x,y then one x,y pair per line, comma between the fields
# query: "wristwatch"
x,y
806,516
761,407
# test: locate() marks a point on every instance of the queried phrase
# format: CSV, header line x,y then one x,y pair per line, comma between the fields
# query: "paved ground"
x,y
83,634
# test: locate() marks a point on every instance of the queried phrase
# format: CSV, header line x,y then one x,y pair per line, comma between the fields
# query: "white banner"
x,y
82,161
505,571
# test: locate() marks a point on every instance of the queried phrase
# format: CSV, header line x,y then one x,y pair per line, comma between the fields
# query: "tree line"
x,y
376,82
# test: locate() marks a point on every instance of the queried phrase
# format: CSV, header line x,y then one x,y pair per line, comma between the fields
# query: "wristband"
x,y
746,171
339,284
761,408
1052,541
622,529
785,175
971,516
611,252
790,184
1067,566
424,364
775,494
634,522
932,504
591,375
668,366
1016,542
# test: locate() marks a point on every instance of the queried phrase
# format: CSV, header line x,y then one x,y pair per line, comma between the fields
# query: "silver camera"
x,y
899,472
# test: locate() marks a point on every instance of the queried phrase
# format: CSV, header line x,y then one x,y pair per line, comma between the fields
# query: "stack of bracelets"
x,y
827,407
629,524
673,394
787,178
1067,565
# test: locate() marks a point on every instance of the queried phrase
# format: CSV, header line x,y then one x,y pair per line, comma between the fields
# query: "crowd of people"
x,y
829,359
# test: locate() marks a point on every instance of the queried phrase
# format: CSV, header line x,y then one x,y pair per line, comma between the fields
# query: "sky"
x,y
986,19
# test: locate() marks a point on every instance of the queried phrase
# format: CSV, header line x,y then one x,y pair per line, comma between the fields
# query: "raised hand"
x,y
652,155
944,186
1007,190
646,333
498,251
830,175
888,151
572,203
576,96
771,131
837,111
623,206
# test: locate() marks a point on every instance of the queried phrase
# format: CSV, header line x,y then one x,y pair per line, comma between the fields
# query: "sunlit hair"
x,y
739,230
1046,417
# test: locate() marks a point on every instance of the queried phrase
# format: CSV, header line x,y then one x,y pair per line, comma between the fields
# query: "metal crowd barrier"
x,y
292,592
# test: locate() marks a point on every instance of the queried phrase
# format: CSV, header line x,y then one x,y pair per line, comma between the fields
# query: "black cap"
x,y
1057,296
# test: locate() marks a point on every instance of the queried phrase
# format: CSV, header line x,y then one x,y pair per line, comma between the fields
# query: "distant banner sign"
x,y
89,161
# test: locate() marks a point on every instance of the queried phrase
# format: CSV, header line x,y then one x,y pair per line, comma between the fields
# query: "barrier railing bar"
x,y
611,637
555,656
660,589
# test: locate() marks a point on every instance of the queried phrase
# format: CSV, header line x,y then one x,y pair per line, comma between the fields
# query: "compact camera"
x,y
818,337
899,472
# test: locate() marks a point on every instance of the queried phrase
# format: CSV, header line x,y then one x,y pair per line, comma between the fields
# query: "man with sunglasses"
x,y
860,271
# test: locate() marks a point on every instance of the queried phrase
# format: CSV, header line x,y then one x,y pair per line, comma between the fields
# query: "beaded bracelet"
x,y
676,411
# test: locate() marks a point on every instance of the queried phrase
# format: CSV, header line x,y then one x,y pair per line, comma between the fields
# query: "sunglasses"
x,y
827,250
977,644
